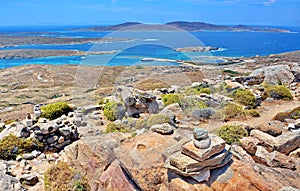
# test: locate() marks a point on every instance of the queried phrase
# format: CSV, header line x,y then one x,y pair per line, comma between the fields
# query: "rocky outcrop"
x,y
275,74
9,183
92,156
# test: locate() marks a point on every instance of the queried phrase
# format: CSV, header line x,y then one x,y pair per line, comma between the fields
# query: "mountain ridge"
x,y
192,26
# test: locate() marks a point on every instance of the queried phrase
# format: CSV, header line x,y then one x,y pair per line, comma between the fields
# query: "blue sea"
x,y
157,44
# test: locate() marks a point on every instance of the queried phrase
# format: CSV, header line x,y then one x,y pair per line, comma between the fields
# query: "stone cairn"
x,y
197,157
54,134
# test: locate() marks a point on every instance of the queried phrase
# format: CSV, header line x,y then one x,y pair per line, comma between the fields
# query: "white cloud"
x,y
270,2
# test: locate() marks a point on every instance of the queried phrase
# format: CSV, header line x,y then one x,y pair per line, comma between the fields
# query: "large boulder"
x,y
92,155
9,183
295,68
275,74
143,159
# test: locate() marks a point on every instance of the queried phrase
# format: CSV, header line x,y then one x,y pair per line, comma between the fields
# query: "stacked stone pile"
x,y
199,156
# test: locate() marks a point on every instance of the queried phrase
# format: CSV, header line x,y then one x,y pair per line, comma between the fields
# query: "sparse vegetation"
x,y
244,97
158,119
12,146
277,92
233,111
171,98
232,133
55,110
113,127
294,114
151,84
62,177
114,110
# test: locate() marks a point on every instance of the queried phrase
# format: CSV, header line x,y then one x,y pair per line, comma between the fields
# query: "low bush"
x,y
113,127
158,119
244,97
233,111
294,114
12,146
169,99
114,110
204,90
277,92
62,177
55,110
253,113
232,133
203,113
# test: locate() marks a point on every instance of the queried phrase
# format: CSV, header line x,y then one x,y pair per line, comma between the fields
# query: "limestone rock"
x,y
217,145
200,134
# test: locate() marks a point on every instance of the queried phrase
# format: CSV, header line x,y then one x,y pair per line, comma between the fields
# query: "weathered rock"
x,y
295,68
142,159
92,155
164,129
52,139
271,130
289,188
237,176
241,154
276,73
65,131
250,144
200,134
265,139
187,166
9,183
217,145
115,179
205,113
173,111
295,153
29,179
203,144
287,142
28,156
25,132
277,124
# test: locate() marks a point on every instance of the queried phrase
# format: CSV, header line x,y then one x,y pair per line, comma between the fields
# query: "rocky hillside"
x,y
167,128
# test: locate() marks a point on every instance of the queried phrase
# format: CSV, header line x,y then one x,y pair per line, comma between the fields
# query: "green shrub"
x,y
244,97
277,92
55,110
10,121
12,146
253,113
234,111
62,177
113,127
204,90
158,119
2,128
294,114
171,98
103,101
232,133
114,110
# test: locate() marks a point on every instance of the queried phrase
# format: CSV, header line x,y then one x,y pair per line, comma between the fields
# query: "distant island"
x,y
192,26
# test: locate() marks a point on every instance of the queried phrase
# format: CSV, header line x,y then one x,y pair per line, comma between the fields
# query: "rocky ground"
x,y
153,142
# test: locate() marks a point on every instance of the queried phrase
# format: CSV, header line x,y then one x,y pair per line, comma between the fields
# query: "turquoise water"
x,y
234,44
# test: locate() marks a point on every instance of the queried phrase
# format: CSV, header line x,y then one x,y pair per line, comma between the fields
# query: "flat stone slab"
x,y
217,146
187,164
287,142
225,161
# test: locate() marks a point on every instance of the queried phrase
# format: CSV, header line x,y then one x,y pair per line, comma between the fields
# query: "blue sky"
x,y
98,12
